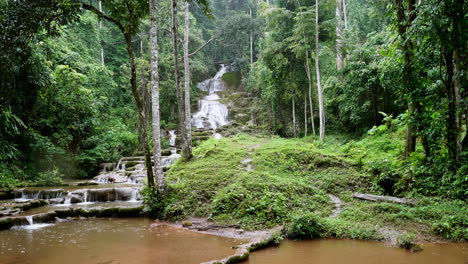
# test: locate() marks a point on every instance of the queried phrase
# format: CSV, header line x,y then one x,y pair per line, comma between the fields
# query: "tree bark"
x,y
100,27
294,117
158,171
403,26
345,15
339,39
175,53
305,116
187,144
142,128
317,70
309,78
251,38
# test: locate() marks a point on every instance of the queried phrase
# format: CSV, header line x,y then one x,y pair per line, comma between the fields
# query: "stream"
x,y
333,251
110,241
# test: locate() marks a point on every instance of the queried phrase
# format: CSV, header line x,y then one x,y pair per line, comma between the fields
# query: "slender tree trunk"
x,y
345,15
459,48
100,27
158,171
339,39
187,144
294,117
305,115
452,108
309,78
142,129
317,69
175,53
403,25
251,38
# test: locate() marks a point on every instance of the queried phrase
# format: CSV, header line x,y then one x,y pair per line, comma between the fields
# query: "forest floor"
x,y
260,182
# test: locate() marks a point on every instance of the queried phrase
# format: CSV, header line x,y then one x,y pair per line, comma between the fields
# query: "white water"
x,y
172,137
31,225
211,113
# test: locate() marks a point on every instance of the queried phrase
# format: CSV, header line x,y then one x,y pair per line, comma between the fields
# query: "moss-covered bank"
x,y
290,178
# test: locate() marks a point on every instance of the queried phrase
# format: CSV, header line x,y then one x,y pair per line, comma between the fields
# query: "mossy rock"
x,y
232,80
131,168
166,152
131,163
242,118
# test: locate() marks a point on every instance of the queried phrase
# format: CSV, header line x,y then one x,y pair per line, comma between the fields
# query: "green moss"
x,y
292,177
232,79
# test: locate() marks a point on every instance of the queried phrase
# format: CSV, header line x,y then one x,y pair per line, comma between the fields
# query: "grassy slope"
x,y
292,177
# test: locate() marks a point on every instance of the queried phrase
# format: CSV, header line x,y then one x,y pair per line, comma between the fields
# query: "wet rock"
x,y
57,201
5,195
45,217
76,199
87,183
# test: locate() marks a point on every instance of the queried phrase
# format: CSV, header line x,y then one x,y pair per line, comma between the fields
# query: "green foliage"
x,y
155,203
306,226
49,178
406,241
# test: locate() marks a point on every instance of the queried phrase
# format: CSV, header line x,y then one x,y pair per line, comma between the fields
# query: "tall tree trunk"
x,y
187,144
294,117
339,39
459,48
100,27
345,15
251,38
142,129
452,108
305,115
158,171
317,70
403,26
175,53
309,78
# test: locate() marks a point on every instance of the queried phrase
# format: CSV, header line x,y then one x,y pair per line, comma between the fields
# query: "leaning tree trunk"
x,y
309,79
187,144
317,69
142,129
158,172
175,53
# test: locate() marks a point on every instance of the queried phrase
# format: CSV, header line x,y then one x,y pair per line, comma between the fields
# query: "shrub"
x,y
49,178
155,203
304,227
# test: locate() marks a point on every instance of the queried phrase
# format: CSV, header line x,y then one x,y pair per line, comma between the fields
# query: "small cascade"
x,y
27,194
211,113
31,225
169,160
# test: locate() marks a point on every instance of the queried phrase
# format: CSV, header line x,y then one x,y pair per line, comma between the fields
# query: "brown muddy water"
x,y
111,241
330,251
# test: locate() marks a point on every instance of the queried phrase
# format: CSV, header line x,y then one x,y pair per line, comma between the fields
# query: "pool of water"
x,y
330,251
111,241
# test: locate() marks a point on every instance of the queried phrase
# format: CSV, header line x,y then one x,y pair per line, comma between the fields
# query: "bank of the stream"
x,y
260,182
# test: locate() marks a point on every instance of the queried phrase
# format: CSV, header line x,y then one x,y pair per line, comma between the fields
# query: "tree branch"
x,y
104,16
201,47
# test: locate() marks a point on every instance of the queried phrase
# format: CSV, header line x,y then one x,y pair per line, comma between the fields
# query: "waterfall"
x,y
30,219
211,113
172,137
